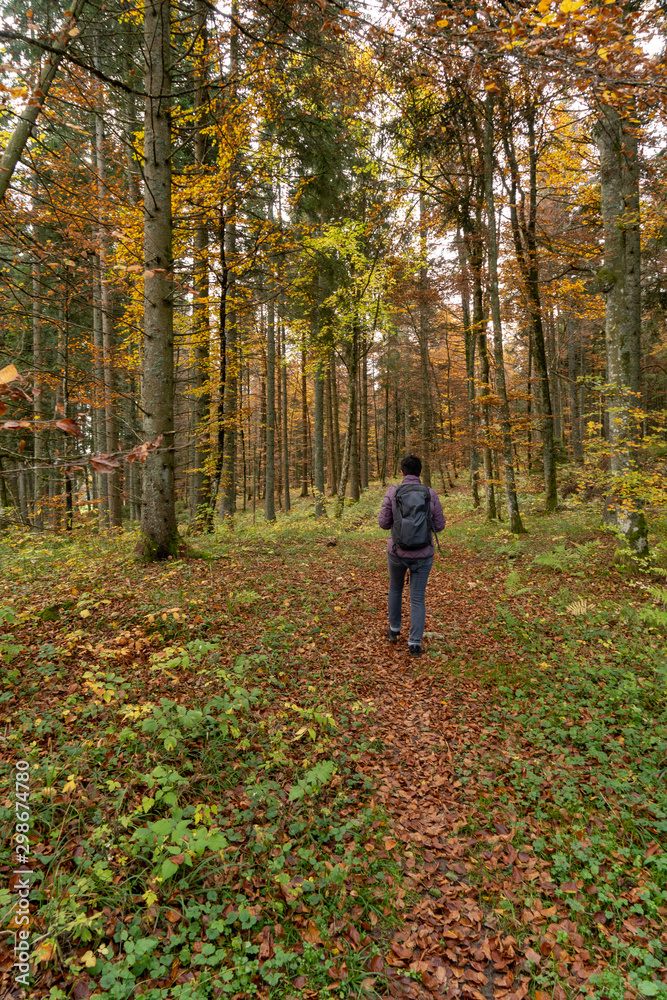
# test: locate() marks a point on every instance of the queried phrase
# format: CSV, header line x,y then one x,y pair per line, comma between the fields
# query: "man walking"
x,y
413,512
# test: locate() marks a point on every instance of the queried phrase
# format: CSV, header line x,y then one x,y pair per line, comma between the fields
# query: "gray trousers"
x,y
419,571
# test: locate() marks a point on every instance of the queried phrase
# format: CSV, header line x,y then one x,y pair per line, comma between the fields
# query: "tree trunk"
x,y
575,418
354,440
278,416
623,511
106,316
363,423
424,422
489,485
351,421
230,397
285,428
516,524
41,452
479,324
385,437
200,481
99,433
336,419
553,353
469,334
525,243
331,444
158,515
632,226
269,493
318,440
304,420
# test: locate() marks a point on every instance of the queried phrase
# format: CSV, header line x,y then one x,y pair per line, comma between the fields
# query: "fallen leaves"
x,y
312,933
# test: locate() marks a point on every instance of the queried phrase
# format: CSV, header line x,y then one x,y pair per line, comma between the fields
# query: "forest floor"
x,y
239,788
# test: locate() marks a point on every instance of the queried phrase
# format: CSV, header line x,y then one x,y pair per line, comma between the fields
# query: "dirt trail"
x,y
428,724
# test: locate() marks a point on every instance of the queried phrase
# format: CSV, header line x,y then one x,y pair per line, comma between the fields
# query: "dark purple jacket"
x,y
386,519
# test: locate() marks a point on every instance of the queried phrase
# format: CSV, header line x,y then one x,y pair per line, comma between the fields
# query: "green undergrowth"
x,y
576,709
198,824
200,827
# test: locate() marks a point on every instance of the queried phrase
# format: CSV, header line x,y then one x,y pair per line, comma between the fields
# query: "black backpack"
x,y
412,525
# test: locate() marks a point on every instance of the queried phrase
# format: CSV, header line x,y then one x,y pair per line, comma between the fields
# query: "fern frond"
x,y
580,608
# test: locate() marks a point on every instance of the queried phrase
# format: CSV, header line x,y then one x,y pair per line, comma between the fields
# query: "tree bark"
x,y
336,420
623,511
363,423
516,524
351,420
354,426
479,325
158,515
525,243
304,420
469,334
99,433
106,316
575,418
318,440
331,446
285,427
41,449
200,480
269,493
230,399
424,421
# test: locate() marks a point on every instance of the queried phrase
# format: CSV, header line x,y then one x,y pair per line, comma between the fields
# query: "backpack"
x,y
412,525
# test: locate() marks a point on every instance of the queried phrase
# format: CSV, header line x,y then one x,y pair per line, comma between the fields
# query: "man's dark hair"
x,y
411,466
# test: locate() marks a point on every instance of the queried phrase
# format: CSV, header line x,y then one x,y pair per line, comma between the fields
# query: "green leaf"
x,y
650,988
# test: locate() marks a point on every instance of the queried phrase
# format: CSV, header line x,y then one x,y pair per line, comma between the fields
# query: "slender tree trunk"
x,y
336,418
385,437
351,420
525,242
623,510
554,376
331,446
106,315
516,524
424,421
575,420
632,227
470,338
363,423
230,398
201,480
318,442
278,415
285,426
41,452
479,324
99,433
304,420
489,486
354,427
529,407
269,494
158,519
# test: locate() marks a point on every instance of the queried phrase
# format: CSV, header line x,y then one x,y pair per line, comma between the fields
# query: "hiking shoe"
x,y
391,635
415,650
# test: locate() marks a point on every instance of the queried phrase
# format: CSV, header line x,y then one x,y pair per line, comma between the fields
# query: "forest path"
x,y
430,719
